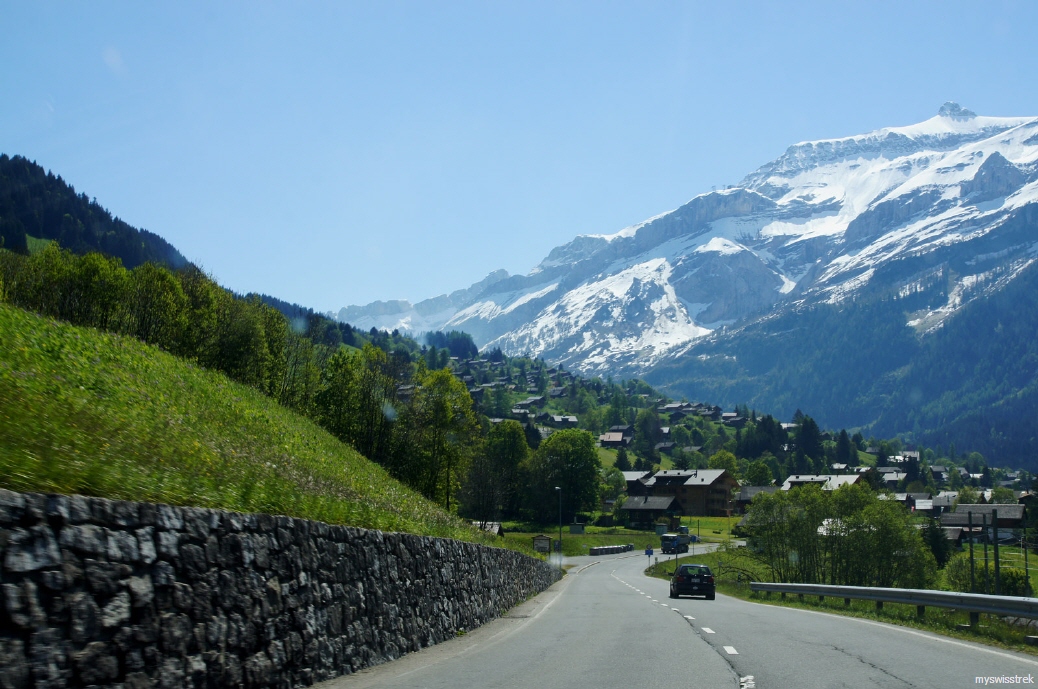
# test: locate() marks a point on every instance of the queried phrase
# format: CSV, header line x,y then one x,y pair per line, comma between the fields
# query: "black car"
x,y
692,580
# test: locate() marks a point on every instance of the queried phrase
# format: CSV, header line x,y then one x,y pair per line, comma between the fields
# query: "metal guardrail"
x,y
610,549
974,603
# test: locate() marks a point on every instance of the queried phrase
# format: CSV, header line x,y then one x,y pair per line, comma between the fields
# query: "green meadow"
x,y
104,415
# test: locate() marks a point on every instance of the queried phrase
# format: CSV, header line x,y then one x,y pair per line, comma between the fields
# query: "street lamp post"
x,y
559,489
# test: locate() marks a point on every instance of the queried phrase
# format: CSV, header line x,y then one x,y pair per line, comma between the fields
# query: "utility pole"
x,y
987,567
973,581
559,489
998,571
1027,572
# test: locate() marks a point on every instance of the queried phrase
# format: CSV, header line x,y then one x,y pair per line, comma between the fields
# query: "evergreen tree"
x,y
937,542
622,462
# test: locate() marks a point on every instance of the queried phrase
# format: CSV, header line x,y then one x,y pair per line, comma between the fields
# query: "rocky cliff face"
x,y
818,224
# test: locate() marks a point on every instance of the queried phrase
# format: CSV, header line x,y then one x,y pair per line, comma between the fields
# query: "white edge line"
x,y
976,646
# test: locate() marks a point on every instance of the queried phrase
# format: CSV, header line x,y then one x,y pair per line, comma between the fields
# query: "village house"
x,y
635,481
699,492
643,510
613,440
747,493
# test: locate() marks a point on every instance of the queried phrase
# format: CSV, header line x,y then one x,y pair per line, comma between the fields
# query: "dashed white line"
x,y
675,610
689,617
730,650
708,630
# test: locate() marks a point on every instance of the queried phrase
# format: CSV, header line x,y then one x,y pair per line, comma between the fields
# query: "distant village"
x,y
542,398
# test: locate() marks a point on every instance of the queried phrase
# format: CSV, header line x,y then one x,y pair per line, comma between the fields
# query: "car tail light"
x,y
708,579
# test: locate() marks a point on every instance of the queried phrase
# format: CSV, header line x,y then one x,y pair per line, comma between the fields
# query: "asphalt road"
x,y
608,625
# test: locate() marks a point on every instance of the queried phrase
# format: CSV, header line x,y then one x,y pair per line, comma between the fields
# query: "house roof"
x,y
649,503
1004,511
634,475
827,481
610,438
687,477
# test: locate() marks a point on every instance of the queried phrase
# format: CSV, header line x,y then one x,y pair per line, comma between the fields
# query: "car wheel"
x,y
709,596
673,595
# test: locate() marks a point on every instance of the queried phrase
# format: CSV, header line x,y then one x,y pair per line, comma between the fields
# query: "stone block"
x,y
125,514
122,546
85,539
192,560
12,506
168,545
56,508
171,674
176,633
141,590
104,577
169,518
96,664
258,670
78,509
31,549
116,611
163,574
48,659
84,617
146,544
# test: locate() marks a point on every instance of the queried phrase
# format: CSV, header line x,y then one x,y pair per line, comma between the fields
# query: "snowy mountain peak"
x,y
827,221
954,110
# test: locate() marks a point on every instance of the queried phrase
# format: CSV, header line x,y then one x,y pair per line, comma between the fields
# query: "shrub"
x,y
1013,580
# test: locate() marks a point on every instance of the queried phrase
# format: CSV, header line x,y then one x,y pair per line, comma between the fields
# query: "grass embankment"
x,y
103,415
733,571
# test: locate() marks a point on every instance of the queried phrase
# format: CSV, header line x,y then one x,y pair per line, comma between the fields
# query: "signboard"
x,y
648,552
541,544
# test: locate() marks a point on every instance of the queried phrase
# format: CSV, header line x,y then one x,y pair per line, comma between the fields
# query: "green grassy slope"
x,y
97,414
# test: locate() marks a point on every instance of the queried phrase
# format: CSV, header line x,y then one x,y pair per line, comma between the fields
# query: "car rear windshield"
x,y
695,570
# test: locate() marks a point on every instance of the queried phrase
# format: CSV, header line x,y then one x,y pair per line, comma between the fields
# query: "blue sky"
x,y
340,153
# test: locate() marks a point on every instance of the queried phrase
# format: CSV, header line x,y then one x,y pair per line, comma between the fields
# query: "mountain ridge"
x,y
815,224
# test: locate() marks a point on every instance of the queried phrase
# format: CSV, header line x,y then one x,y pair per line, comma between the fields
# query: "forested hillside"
x,y
37,204
970,384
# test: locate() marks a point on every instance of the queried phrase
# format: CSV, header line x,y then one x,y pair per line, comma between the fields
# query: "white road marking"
x,y
675,610
708,630
730,650
689,617
924,635
663,605
747,682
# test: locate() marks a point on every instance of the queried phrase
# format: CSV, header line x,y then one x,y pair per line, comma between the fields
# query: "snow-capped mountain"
x,y
881,212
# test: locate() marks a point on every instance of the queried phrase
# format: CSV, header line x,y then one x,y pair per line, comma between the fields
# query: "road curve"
x,y
608,625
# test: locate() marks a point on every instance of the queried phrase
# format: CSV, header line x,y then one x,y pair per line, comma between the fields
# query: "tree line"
x,y
375,391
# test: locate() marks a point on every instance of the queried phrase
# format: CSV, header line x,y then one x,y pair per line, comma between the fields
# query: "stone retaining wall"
x,y
122,594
